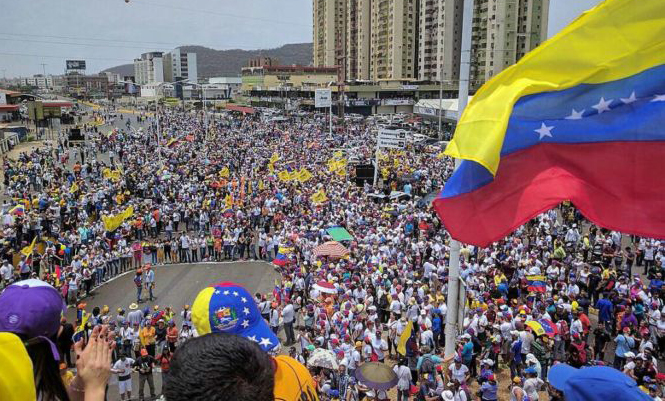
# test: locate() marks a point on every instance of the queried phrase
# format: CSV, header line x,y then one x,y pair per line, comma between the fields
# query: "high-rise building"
x,y
439,40
149,68
329,20
503,32
358,40
393,47
180,66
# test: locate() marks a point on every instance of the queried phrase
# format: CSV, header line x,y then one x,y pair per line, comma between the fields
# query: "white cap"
x,y
629,355
488,362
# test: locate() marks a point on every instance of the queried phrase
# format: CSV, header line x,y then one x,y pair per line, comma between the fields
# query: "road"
x,y
177,285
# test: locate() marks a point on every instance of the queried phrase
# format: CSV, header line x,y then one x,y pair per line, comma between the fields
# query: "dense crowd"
x,y
558,290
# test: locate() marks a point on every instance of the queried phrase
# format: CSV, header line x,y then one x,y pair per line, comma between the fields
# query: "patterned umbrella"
x,y
376,375
323,358
332,249
542,327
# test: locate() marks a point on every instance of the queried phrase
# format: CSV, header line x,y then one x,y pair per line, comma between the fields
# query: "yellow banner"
x,y
113,222
224,173
319,196
304,175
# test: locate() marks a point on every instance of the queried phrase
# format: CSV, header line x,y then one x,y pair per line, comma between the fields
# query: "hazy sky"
x,y
111,32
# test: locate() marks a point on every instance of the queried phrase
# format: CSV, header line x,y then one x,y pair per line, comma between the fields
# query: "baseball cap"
x,y
594,383
292,380
17,382
32,308
229,308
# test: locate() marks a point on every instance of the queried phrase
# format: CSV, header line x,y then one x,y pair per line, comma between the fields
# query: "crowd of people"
x,y
558,290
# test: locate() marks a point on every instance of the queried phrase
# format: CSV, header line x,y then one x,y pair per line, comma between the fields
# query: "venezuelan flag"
x,y
579,118
18,210
536,283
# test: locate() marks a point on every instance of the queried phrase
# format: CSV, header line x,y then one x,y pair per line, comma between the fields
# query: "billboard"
x,y
75,64
323,98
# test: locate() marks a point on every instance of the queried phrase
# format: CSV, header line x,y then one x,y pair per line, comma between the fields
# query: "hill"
x,y
212,63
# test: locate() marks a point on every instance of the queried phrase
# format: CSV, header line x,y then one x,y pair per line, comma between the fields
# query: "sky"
x,y
106,33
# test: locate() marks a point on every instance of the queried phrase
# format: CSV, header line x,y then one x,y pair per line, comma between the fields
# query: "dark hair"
x,y
220,366
46,370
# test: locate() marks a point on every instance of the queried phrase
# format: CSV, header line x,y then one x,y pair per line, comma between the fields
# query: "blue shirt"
x,y
624,344
434,358
488,391
467,351
605,309
436,324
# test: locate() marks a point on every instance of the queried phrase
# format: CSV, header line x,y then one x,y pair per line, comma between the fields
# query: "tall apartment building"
x,y
180,66
329,17
503,32
358,40
149,68
39,80
393,47
439,40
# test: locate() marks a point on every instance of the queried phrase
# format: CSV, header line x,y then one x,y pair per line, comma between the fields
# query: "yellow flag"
x,y
385,173
73,188
332,165
229,201
319,196
284,175
341,172
261,186
274,158
304,175
224,173
338,154
401,346
114,221
27,251
441,155
271,168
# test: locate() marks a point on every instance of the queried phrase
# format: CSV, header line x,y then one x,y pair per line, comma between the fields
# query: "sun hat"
x,y
32,308
594,383
229,308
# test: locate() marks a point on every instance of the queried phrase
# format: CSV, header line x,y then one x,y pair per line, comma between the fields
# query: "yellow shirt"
x,y
147,336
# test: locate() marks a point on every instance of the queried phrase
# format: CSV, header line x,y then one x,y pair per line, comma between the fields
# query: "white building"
x,y
179,66
149,68
152,89
40,81
233,83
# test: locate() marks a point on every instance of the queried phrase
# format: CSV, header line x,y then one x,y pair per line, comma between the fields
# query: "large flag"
x,y
114,221
28,250
579,118
401,345
304,175
224,172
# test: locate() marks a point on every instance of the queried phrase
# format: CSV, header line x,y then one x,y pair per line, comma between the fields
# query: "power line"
x,y
76,44
63,57
86,39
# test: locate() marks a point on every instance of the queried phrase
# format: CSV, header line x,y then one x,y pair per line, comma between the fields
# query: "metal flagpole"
x,y
453,270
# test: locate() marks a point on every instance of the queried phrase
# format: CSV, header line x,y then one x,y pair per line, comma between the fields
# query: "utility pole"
x,y
452,300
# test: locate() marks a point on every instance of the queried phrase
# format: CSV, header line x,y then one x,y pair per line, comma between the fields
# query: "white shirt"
x,y
459,374
123,368
288,313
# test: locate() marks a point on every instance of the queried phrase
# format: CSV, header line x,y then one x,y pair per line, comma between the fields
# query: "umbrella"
x,y
323,358
332,249
325,287
376,375
542,327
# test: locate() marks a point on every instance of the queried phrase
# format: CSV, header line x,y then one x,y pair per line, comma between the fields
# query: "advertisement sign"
x,y
397,102
323,98
75,64
410,87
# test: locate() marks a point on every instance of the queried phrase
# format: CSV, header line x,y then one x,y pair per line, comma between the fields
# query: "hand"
x,y
93,363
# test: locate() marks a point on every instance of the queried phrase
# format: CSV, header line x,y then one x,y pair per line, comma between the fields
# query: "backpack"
x,y
428,365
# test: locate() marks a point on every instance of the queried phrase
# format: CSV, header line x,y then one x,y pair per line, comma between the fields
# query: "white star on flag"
x,y
659,98
253,338
217,292
243,299
245,311
226,292
629,100
235,293
265,342
544,131
575,115
603,105
245,323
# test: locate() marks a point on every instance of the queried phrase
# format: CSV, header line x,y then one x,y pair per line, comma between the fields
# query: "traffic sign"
x,y
323,98
392,143
393,139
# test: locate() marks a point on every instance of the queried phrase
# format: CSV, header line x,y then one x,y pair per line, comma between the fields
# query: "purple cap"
x,y
32,308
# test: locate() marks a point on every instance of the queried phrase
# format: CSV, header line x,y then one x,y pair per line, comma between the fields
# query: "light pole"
x,y
205,111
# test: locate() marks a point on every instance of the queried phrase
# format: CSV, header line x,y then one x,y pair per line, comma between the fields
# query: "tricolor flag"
x,y
18,210
536,283
579,118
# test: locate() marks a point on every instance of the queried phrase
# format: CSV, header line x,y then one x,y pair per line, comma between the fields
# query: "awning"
x,y
9,107
242,109
339,234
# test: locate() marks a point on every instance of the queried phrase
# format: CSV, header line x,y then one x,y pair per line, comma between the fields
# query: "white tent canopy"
x,y
430,108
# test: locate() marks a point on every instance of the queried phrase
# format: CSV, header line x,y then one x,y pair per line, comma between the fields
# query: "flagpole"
x,y
453,266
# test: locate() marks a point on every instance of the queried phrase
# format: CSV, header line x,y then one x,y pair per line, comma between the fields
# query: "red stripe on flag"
x,y
617,185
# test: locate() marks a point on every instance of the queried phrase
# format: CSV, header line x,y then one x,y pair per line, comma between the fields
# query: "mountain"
x,y
214,63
